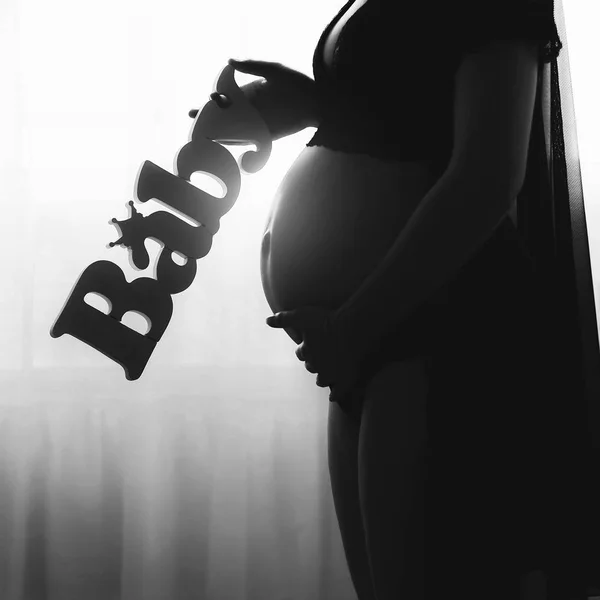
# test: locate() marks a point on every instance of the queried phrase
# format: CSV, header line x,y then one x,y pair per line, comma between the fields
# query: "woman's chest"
x,y
332,38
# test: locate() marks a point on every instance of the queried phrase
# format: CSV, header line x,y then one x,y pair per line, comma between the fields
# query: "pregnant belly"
x,y
333,219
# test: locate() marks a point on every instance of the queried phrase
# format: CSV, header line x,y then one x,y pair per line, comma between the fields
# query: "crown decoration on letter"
x,y
129,228
228,118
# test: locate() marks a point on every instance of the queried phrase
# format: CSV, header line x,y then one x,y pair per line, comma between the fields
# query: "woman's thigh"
x,y
391,465
342,450
393,425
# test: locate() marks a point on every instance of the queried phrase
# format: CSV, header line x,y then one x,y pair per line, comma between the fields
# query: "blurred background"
x,y
207,477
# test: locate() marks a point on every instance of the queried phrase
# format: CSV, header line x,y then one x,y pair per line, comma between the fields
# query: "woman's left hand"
x,y
326,347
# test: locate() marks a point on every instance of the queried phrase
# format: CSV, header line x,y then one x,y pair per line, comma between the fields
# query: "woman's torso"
x,y
332,220
334,217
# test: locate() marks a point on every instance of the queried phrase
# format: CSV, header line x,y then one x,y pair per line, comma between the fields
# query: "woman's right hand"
x,y
285,98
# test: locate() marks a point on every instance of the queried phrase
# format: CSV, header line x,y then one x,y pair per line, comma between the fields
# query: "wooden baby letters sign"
x,y
228,118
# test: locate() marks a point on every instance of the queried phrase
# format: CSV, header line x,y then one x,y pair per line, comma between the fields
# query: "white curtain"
x,y
207,477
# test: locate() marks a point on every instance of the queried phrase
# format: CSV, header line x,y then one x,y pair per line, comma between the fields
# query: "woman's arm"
x,y
454,219
493,111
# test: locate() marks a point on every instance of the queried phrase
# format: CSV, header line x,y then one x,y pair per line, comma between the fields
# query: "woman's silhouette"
x,y
393,253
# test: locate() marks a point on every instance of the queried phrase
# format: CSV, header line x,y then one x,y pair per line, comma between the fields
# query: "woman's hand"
x,y
326,348
285,98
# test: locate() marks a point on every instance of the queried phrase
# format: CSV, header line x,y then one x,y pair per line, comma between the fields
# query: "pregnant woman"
x,y
392,251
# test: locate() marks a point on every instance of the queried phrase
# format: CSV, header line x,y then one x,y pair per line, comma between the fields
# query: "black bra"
x,y
390,92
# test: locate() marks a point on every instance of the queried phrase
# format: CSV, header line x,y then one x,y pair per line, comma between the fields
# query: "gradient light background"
x,y
207,477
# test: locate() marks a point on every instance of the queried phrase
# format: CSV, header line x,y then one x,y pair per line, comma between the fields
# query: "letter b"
x,y
106,333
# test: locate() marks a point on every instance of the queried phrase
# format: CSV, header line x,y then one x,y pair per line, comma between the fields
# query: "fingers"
x,y
301,356
245,66
253,67
295,334
221,100
322,382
